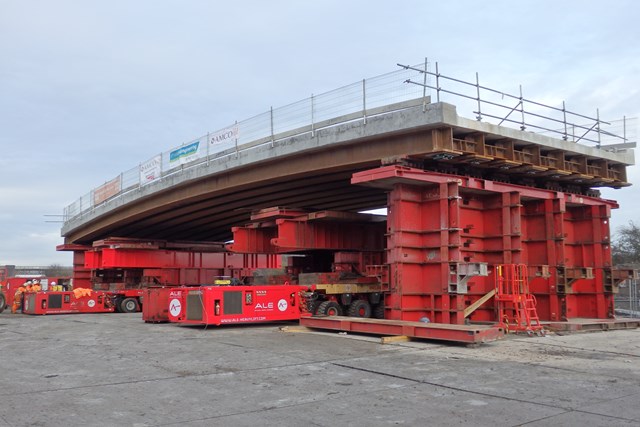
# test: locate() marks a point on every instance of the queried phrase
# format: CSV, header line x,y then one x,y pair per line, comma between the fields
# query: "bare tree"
x,y
57,270
626,245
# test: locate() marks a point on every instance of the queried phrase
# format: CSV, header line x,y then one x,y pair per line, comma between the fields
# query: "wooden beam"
x,y
394,339
473,307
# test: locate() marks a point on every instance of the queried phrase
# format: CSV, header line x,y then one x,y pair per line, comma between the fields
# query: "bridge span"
x,y
310,166
314,172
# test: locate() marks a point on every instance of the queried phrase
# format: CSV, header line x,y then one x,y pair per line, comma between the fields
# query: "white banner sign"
x,y
150,170
226,136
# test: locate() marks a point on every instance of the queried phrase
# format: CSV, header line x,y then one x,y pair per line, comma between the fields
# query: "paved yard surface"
x,y
115,370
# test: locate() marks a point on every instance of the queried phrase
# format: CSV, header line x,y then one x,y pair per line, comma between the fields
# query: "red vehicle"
x,y
66,302
10,286
3,298
219,305
156,305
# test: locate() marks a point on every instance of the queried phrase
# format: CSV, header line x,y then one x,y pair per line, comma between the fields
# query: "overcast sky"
x,y
90,88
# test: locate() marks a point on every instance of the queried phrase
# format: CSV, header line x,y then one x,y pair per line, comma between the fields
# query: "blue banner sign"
x,y
184,152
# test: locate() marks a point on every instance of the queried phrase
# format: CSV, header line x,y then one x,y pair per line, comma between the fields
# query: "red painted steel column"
x,y
554,211
423,238
81,274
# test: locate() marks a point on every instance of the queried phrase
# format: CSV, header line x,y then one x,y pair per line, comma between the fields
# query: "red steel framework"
x,y
447,238
438,225
277,230
116,263
454,250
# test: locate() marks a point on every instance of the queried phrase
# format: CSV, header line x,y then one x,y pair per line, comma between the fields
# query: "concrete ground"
x,y
115,370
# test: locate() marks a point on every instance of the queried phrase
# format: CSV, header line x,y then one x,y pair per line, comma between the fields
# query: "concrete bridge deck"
x,y
312,170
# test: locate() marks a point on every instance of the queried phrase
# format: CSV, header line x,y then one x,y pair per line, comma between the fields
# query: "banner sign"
x,y
225,135
185,154
150,170
106,191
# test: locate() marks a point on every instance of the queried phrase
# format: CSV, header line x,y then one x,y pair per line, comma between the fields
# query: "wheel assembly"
x,y
129,305
378,311
329,308
360,308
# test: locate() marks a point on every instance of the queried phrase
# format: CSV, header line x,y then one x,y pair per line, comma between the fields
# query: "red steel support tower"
x,y
444,230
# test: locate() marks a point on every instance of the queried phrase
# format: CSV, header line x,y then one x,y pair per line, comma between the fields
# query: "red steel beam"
x,y
303,235
386,176
143,258
471,334
316,230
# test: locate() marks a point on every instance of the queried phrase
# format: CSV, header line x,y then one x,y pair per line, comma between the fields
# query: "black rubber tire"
x,y
378,311
129,305
3,302
360,308
312,306
329,308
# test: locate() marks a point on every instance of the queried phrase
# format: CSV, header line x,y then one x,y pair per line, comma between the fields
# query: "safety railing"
x,y
628,299
514,110
357,101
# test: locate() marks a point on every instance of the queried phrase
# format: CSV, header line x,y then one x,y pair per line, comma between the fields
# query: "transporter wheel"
x,y
360,308
129,305
378,311
329,308
312,307
3,303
